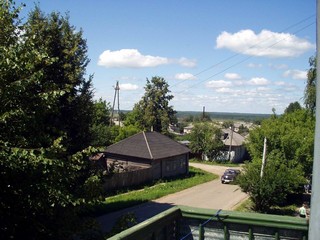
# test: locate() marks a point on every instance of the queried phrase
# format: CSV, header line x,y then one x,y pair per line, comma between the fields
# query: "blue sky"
x,y
243,56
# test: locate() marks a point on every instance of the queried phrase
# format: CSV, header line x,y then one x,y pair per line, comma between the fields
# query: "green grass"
x,y
245,206
290,209
151,192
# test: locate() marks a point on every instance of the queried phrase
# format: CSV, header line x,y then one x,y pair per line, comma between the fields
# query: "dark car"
x,y
229,175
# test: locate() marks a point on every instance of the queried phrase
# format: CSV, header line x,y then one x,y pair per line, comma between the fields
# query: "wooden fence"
x,y
127,179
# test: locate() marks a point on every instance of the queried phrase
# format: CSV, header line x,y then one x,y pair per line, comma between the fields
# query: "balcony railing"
x,y
186,223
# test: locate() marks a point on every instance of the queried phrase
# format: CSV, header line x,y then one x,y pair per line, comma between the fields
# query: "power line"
x,y
257,44
241,61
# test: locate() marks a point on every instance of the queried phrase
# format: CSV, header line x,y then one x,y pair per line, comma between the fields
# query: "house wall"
x,y
169,167
239,152
148,171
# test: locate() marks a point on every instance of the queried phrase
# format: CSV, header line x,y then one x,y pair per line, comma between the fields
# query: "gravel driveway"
x,y
213,195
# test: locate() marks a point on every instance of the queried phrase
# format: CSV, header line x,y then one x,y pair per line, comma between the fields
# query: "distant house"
x,y
234,145
163,155
188,129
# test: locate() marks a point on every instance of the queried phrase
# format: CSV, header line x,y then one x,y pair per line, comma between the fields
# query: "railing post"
x,y
201,232
250,233
225,230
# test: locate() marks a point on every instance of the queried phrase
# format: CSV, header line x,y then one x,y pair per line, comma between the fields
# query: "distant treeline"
x,y
247,117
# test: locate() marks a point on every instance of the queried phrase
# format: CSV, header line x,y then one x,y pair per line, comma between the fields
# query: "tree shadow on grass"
x,y
289,208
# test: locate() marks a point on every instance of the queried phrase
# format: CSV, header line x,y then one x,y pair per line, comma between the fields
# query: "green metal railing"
x,y
186,223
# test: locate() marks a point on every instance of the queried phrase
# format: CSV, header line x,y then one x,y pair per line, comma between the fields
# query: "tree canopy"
x,y
43,82
310,89
205,139
293,107
292,134
153,110
290,141
45,120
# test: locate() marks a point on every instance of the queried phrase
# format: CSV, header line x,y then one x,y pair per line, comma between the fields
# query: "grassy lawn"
x,y
152,191
290,209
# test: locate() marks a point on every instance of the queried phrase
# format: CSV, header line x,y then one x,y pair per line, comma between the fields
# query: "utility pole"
x,y
231,127
314,229
263,157
203,112
116,95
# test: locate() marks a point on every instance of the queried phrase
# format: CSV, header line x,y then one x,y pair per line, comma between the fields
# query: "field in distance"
x,y
247,117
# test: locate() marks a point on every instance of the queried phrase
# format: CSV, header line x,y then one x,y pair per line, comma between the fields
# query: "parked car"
x,y
229,175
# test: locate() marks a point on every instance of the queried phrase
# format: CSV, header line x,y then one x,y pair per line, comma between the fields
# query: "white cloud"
x,y
296,74
227,90
185,62
264,44
232,76
254,65
128,87
258,81
184,76
218,84
263,89
131,58
281,83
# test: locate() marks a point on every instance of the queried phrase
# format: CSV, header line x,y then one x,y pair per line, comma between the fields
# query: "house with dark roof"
x,y
163,155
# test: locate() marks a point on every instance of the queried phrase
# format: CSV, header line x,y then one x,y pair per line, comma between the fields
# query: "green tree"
x,y
228,124
153,110
71,111
293,107
205,139
243,130
43,118
292,134
100,129
279,179
310,89
289,158
126,131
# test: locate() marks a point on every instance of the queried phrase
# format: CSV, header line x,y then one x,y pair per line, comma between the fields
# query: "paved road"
x,y
213,195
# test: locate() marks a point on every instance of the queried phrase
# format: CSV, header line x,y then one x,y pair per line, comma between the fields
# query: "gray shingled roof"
x,y
237,139
148,145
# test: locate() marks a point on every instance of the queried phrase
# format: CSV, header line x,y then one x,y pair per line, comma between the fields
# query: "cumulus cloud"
x,y
232,76
218,84
258,81
128,87
131,58
296,74
264,44
228,90
185,62
184,76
